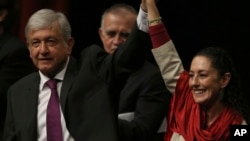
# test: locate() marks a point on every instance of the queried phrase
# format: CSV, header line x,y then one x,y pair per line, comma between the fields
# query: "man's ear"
x,y
100,32
225,80
71,43
3,14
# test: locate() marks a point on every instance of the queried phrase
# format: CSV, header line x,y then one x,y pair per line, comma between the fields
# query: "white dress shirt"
x,y
43,99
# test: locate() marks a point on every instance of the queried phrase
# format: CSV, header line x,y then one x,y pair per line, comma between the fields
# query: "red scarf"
x,y
187,118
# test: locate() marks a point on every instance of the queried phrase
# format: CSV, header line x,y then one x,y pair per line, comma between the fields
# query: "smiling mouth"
x,y
44,59
198,91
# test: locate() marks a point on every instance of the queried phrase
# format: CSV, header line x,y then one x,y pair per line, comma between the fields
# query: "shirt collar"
x,y
60,75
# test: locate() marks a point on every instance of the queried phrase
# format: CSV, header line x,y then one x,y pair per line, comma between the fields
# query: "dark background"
x,y
192,24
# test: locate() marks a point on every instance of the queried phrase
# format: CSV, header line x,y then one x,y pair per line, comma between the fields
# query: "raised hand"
x,y
153,12
144,4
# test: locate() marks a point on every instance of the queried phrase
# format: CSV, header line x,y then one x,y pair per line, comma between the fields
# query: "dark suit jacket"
x,y
21,119
146,95
89,94
15,63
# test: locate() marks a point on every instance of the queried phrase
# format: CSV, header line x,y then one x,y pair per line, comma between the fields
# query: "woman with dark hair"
x,y
207,99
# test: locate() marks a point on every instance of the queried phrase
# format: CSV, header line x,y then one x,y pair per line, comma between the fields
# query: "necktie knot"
x,y
52,83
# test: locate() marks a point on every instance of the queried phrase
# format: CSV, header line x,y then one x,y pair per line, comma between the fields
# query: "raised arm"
x,y
163,50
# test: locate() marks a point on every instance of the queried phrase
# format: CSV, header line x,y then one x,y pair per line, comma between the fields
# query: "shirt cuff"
x,y
159,35
142,20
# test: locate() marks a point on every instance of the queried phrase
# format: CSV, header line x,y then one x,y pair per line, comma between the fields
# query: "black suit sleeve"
x,y
91,109
144,94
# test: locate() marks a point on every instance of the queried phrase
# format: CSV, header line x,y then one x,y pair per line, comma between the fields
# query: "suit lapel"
x,y
69,77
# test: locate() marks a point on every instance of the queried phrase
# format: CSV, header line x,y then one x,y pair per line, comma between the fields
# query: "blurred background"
x,y
192,25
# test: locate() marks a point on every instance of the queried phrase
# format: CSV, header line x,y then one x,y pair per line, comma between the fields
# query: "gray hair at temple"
x,y
46,18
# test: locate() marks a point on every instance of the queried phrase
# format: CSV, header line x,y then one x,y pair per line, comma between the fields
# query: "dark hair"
x,y
233,93
10,20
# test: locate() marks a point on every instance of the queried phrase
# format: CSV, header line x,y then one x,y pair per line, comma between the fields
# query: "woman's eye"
x,y
203,75
191,75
